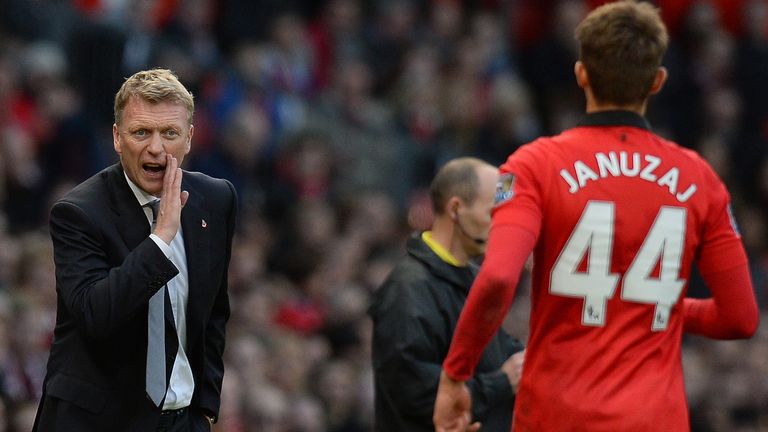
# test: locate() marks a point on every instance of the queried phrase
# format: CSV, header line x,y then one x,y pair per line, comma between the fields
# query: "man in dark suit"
x,y
141,285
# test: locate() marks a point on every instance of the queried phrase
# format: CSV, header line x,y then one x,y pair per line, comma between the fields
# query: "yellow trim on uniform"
x,y
438,249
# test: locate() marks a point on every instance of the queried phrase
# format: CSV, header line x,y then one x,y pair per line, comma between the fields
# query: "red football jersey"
x,y
620,214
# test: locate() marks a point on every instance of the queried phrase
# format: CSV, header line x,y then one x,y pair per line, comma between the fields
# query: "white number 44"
x,y
593,235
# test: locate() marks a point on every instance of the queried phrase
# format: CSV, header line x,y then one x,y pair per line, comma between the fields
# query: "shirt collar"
x,y
439,250
142,197
615,118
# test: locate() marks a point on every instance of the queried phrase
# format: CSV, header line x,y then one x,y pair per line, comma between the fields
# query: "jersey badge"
x,y
504,188
733,220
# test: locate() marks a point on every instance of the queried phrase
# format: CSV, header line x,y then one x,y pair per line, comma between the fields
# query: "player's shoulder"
x,y
534,153
216,189
92,192
202,179
408,286
408,272
418,272
674,147
686,157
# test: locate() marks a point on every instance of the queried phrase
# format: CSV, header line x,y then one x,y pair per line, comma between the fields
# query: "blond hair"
x,y
154,86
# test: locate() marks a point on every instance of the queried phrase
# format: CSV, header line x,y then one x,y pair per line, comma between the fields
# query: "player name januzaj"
x,y
627,165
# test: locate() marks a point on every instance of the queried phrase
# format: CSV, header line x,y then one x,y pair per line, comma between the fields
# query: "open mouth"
x,y
153,169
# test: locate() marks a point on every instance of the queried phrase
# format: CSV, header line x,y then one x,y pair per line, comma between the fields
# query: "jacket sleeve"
x,y
511,345
100,296
406,353
491,389
489,298
210,395
411,337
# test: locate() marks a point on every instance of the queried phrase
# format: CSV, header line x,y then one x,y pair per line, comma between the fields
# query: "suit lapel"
x,y
131,221
132,224
130,218
196,244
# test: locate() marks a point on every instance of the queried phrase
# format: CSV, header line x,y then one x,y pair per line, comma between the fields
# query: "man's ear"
x,y
659,80
116,139
452,207
189,139
582,77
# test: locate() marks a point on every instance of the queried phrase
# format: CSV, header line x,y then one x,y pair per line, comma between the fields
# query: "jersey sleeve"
x,y
731,312
489,299
515,227
518,193
720,247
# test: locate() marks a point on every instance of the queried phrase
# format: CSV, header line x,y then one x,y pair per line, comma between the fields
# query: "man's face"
x,y
146,134
476,217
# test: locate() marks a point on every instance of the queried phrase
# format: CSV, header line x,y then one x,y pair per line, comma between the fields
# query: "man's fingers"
x,y
172,183
177,178
455,426
459,423
170,174
172,200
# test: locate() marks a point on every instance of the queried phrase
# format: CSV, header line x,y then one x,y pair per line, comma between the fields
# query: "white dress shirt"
x,y
182,384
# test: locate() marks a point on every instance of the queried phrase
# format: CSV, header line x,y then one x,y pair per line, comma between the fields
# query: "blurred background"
x,y
330,118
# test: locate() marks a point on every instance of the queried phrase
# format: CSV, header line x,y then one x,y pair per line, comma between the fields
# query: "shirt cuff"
x,y
166,248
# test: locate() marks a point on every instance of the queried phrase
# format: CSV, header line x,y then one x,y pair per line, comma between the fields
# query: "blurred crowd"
x,y
330,118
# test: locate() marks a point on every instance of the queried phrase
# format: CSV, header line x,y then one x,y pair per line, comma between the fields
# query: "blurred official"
x,y
141,283
416,309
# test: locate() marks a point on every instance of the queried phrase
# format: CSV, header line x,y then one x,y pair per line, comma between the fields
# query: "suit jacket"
x,y
414,315
107,268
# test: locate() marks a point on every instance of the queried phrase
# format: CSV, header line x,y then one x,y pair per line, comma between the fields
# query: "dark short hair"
x,y
457,178
621,45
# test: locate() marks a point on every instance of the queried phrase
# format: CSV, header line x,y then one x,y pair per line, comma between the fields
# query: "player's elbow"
x,y
748,328
744,326
93,319
748,321
95,325
496,278
494,298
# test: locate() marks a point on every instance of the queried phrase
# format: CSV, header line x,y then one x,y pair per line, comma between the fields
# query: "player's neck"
x,y
593,106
